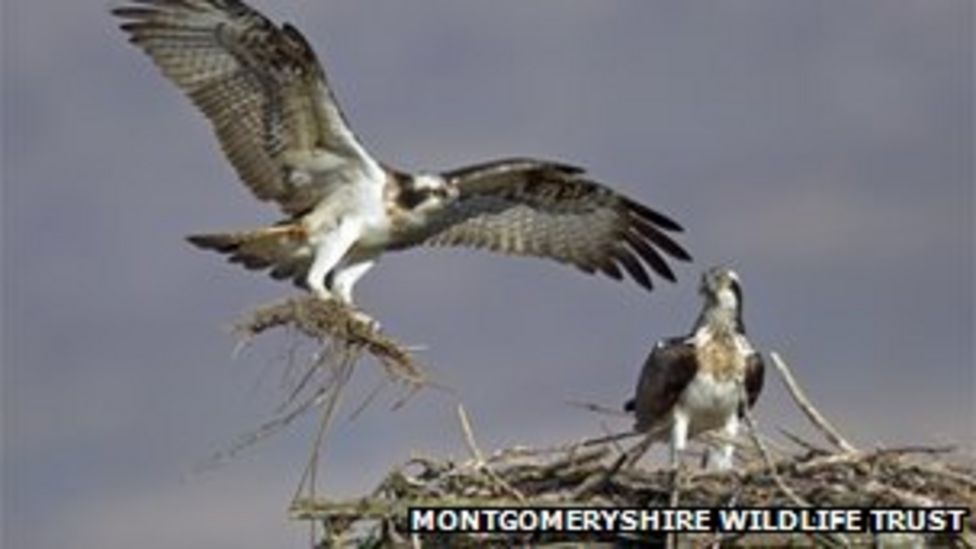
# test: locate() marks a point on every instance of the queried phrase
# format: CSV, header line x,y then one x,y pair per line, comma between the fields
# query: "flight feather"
x,y
262,88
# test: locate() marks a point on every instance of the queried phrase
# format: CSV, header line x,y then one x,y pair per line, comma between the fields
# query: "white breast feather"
x,y
708,402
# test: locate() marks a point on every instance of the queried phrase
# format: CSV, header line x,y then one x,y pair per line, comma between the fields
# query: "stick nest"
x,y
600,472
590,475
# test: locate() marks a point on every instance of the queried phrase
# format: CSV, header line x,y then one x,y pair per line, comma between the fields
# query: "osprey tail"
x,y
282,248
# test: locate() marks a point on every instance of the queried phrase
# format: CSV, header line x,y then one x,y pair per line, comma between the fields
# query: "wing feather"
x,y
666,372
754,379
545,209
262,88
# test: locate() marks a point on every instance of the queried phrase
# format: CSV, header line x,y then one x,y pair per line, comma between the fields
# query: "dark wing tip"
x,y
654,216
136,9
650,256
611,269
126,11
201,241
681,254
634,268
630,405
569,169
217,242
649,231
640,242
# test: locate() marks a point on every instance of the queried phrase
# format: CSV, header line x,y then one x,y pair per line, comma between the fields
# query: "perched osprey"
x,y
692,384
278,122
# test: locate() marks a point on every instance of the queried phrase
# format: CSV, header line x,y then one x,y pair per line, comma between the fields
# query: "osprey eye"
x,y
410,198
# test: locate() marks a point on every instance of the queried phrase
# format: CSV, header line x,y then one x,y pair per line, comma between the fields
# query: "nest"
x,y
582,475
602,473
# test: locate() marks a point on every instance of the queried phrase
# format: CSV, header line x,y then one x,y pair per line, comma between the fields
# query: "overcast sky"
x,y
822,148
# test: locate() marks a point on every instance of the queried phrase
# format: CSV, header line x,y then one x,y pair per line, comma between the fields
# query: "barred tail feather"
x,y
281,248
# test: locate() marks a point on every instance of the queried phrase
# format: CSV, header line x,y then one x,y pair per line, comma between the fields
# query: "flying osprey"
x,y
692,384
278,123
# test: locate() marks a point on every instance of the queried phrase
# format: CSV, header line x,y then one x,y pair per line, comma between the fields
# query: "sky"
x,y
824,149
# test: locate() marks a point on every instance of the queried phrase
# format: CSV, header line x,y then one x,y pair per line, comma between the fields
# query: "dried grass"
x,y
341,337
336,326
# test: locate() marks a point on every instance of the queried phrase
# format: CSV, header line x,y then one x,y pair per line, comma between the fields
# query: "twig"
x,y
795,439
671,541
597,408
611,437
638,450
469,436
904,497
598,479
774,473
479,457
832,434
330,402
764,453
949,474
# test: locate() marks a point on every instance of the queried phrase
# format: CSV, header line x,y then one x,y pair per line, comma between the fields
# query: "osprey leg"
x,y
679,436
721,458
345,276
330,248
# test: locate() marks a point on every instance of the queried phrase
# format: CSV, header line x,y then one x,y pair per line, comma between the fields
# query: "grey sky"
x,y
823,148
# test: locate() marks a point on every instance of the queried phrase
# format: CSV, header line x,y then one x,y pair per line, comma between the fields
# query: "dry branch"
x,y
831,432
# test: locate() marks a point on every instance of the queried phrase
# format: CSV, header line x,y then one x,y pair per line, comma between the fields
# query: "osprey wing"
x,y
754,377
262,88
667,371
545,209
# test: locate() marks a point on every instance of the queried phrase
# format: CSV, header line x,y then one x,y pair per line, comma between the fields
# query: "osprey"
x,y
278,122
693,384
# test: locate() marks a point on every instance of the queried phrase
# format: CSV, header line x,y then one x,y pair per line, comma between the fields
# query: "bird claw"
x,y
355,314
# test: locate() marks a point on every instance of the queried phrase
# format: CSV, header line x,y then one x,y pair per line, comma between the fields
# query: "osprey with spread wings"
x,y
278,122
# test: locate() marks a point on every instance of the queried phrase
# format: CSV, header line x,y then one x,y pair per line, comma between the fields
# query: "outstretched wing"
x,y
544,209
263,90
667,371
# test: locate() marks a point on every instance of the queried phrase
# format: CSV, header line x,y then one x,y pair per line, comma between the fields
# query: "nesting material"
x,y
336,326
339,337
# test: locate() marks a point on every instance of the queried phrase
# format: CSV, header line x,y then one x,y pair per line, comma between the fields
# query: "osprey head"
x,y
721,288
425,192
